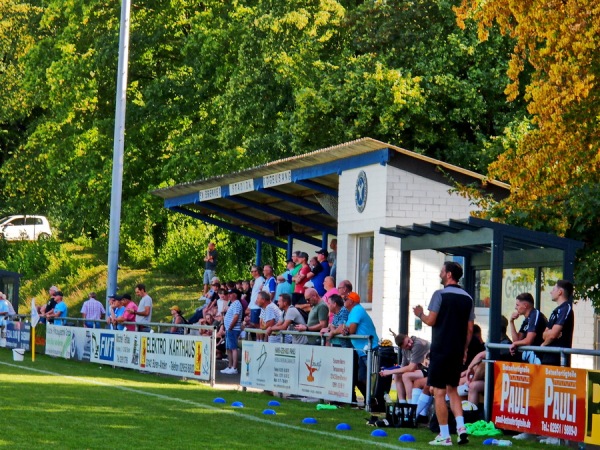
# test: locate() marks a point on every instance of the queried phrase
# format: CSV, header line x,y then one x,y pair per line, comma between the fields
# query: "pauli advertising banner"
x,y
546,400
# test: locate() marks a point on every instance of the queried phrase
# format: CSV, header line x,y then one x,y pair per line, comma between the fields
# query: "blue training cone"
x,y
269,412
407,438
378,433
237,404
309,420
343,427
219,400
274,403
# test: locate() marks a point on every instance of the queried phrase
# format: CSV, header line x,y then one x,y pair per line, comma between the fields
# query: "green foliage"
x,y
216,87
29,258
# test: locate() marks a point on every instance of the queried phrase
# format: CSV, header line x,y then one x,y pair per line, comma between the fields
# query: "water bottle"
x,y
502,442
418,324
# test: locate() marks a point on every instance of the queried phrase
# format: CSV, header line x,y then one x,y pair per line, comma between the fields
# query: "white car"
x,y
28,228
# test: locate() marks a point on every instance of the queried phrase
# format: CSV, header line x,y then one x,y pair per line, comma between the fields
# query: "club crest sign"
x,y
360,192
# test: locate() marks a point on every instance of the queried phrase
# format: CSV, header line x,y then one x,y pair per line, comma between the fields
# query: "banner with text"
x,y
178,355
312,371
546,400
18,335
68,342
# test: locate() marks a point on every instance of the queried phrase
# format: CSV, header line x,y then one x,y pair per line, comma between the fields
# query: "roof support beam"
x,y
295,200
237,215
227,226
318,187
284,215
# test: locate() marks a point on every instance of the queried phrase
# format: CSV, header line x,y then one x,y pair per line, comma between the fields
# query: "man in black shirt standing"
x,y
451,316
559,332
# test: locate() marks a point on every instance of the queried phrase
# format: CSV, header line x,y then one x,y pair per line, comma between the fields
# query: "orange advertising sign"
x,y
546,400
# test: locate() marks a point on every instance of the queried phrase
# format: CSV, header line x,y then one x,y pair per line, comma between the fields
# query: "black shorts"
x,y
444,370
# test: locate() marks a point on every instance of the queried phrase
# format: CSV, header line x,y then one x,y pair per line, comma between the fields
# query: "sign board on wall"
x,y
312,371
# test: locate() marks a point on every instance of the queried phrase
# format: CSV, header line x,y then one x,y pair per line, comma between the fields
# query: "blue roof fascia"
x,y
284,215
227,226
187,199
353,162
295,200
302,176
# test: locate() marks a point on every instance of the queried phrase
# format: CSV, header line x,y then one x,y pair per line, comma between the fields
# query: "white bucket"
x,y
2,342
18,354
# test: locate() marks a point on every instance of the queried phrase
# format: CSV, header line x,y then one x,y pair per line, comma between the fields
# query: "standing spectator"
x,y
270,314
290,265
300,279
451,316
290,318
210,265
129,313
532,329
233,328
49,306
294,271
283,287
60,310
319,278
332,258
318,317
359,323
92,310
339,317
259,282
143,315
111,322
413,350
559,332
270,285
119,311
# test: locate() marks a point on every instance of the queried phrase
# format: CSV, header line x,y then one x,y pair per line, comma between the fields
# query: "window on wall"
x,y
364,270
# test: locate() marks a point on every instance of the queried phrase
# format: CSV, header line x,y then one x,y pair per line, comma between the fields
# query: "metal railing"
x,y
323,342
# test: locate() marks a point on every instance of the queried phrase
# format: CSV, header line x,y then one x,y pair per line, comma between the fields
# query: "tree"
x,y
551,161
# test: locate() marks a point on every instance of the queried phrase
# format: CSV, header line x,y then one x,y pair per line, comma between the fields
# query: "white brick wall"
x,y
396,197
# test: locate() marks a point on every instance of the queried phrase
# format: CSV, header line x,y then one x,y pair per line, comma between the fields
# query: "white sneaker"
x,y
226,370
232,371
439,440
524,436
550,440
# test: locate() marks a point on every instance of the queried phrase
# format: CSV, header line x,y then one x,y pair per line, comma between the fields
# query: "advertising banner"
x,y
18,335
312,371
170,354
58,341
546,400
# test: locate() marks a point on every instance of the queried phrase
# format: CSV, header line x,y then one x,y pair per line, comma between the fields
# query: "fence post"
x,y
369,370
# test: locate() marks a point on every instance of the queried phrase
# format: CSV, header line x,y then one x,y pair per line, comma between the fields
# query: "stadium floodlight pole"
x,y
118,150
